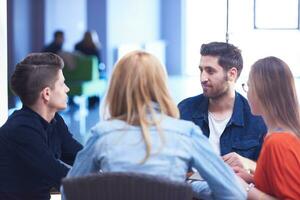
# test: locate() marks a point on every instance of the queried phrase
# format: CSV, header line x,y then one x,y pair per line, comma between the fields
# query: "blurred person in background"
x,y
89,45
56,45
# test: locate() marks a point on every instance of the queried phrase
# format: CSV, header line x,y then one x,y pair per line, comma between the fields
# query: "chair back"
x,y
84,78
125,186
85,69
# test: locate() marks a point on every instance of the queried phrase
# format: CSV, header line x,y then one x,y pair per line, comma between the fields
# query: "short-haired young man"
x,y
222,113
36,146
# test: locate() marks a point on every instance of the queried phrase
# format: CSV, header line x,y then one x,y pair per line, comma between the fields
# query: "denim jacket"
x,y
116,146
244,132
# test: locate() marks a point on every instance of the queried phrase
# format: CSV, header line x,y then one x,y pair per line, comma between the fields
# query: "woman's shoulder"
x,y
167,124
281,136
281,141
179,125
108,126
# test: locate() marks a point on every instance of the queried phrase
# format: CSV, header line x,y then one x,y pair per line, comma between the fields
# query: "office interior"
x,y
173,30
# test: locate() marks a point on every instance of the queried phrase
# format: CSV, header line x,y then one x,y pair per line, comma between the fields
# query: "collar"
x,y
201,111
237,117
44,122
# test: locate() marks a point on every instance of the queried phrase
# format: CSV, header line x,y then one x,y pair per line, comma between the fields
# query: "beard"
x,y
219,90
218,94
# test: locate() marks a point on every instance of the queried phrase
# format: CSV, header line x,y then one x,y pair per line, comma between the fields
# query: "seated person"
x,y
36,146
89,45
56,45
142,133
222,113
272,94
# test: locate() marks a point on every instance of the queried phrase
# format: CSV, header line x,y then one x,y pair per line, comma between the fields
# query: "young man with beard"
x,y
36,146
222,113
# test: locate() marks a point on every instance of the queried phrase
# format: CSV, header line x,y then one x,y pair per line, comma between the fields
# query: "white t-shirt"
x,y
216,128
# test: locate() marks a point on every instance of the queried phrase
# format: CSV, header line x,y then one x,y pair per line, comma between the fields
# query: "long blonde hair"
x,y
138,81
274,86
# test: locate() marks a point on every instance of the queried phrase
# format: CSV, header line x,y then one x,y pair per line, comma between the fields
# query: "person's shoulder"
x,y
183,127
77,45
191,100
48,47
189,104
244,104
24,117
193,105
281,140
242,99
108,126
19,120
250,120
283,146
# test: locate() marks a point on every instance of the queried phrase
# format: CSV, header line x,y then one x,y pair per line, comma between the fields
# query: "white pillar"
x,y
3,62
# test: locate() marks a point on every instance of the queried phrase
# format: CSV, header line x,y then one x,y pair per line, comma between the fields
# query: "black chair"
x,y
125,186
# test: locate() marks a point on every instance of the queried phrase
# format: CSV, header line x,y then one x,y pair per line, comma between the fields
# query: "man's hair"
x,y
58,34
36,72
228,55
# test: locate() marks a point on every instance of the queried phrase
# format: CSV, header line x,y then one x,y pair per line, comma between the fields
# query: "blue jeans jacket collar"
x,y
237,118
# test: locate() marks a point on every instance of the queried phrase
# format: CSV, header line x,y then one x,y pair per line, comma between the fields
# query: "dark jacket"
x,y
244,132
32,152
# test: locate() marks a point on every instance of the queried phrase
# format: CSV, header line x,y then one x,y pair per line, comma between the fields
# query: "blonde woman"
x,y
272,94
144,135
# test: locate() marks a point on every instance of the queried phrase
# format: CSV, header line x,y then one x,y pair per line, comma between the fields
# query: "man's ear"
x,y
232,74
45,93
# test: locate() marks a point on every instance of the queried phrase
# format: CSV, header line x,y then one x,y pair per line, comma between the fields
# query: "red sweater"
x,y
278,167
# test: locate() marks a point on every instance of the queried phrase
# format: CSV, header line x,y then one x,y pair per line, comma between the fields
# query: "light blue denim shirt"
x,y
116,146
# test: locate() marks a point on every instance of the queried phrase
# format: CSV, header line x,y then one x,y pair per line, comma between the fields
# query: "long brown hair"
x,y
91,40
274,86
138,81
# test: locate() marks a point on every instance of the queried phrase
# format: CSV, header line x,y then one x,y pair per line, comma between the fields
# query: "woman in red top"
x,y
272,94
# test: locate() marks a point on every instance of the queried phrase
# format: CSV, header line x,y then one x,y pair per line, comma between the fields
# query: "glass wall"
x,y
206,21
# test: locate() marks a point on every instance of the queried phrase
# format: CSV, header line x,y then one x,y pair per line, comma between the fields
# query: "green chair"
x,y
84,81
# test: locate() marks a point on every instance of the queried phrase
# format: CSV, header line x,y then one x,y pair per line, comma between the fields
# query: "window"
x,y
276,14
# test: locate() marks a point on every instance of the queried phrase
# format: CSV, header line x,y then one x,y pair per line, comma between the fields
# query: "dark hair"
x,y
88,40
228,54
58,34
33,74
